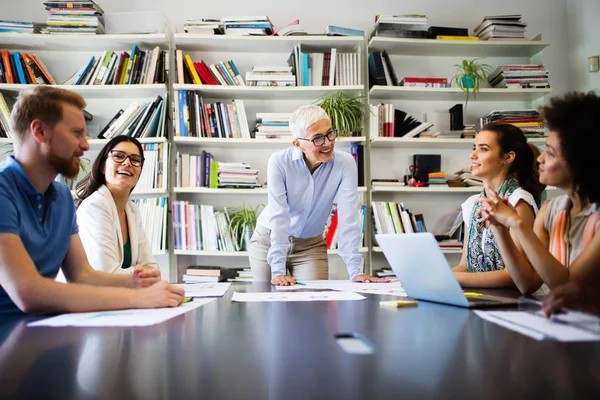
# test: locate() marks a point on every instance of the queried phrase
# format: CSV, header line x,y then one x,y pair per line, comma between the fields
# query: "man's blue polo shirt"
x,y
45,222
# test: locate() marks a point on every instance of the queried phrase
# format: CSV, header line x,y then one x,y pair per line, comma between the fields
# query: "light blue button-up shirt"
x,y
300,202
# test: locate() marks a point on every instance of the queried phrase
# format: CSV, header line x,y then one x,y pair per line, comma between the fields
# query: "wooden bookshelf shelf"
x,y
429,143
260,44
269,93
73,42
235,143
377,249
454,94
456,48
98,91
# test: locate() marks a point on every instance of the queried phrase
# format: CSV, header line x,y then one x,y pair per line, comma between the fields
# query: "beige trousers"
x,y
306,258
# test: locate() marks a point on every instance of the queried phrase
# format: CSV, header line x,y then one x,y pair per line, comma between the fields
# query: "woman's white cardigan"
x,y
100,232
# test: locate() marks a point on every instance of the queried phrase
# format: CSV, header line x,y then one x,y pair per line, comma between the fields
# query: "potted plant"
x,y
242,222
470,75
346,112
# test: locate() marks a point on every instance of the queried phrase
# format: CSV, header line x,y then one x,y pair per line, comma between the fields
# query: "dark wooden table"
x,y
227,350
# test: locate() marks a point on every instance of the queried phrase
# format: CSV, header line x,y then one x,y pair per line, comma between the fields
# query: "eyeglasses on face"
x,y
320,140
120,157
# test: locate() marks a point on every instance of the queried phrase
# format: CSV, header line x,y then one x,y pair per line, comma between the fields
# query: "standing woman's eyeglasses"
x,y
120,157
320,140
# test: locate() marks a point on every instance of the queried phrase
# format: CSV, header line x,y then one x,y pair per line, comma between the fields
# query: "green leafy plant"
x,y
470,75
242,222
346,112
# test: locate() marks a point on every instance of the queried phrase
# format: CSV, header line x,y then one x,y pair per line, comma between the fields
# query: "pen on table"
x,y
472,294
188,299
300,283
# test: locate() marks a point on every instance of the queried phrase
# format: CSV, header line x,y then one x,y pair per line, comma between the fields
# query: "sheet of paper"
x,y
136,317
538,327
295,296
216,289
391,289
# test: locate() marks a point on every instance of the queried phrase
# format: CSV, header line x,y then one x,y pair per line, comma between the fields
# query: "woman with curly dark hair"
x,y
563,245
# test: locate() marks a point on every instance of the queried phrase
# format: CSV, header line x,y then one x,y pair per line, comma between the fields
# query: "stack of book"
x,y
392,218
244,275
23,68
199,73
204,26
237,175
194,118
147,120
17,26
501,27
465,175
272,126
469,131
529,120
4,118
401,26
203,274
425,82
112,68
271,75
79,17
519,76
243,26
386,273
437,179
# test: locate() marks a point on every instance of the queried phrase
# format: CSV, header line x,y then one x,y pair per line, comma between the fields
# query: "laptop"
x,y
422,269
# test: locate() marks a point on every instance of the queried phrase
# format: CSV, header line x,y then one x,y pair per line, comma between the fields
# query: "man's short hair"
x,y
44,103
304,117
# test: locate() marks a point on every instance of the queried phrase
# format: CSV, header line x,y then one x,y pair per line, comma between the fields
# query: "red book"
x,y
332,229
425,80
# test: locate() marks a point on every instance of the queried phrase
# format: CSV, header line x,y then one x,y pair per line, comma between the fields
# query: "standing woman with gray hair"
x,y
303,182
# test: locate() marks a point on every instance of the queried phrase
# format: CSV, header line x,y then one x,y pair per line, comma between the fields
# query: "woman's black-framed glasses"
x,y
120,157
320,140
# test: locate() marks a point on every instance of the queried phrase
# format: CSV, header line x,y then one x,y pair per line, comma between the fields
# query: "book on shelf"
x,y
434,32
203,26
23,68
74,17
223,73
330,232
139,121
154,219
393,218
501,27
247,26
18,26
326,68
291,29
390,122
5,104
199,274
334,30
424,82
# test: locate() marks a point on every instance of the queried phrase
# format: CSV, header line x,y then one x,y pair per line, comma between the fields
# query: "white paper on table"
x,y
216,289
538,327
133,317
391,289
295,296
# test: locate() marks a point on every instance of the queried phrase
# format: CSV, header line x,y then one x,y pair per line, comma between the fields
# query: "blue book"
x,y
305,74
183,113
19,65
333,30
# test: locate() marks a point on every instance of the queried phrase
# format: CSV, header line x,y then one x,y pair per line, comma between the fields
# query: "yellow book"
x,y
442,37
190,65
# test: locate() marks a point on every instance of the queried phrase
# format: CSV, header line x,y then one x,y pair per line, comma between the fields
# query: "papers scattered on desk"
x,y
295,296
143,317
391,289
570,327
205,289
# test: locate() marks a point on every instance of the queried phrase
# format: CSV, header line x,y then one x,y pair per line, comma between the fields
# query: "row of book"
x,y
206,274
74,17
530,121
400,26
146,120
154,219
202,170
393,218
193,118
330,233
23,68
201,228
271,75
112,68
382,73
329,68
501,27
154,172
199,73
272,126
4,118
520,76
18,26
387,121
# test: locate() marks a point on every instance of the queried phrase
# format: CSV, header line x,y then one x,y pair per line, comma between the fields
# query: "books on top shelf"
x,y
271,75
203,26
291,29
194,118
147,120
221,73
74,17
154,220
272,126
327,68
501,27
519,76
254,26
333,30
113,68
23,68
18,27
529,121
204,171
400,26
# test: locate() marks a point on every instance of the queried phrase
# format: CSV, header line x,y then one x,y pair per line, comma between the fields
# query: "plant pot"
x,y
468,82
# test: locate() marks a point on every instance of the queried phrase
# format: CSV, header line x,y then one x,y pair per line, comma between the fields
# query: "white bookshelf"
x,y
97,92
268,93
464,48
424,190
431,143
73,42
233,191
241,253
455,94
238,143
377,249
102,142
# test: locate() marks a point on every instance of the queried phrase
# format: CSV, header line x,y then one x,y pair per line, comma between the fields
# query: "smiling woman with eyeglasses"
x,y
110,225
303,182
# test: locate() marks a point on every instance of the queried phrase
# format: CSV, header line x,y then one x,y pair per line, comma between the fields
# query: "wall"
x,y
583,33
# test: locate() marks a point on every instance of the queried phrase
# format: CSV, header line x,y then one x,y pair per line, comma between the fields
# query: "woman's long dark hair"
x,y
96,178
525,166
